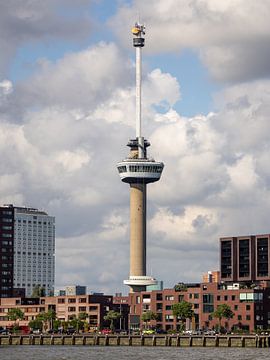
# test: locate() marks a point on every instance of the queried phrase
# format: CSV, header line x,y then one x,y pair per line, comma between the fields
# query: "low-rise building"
x,y
65,307
251,306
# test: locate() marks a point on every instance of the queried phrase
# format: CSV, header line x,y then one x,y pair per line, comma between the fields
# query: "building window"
x,y
244,261
72,300
159,297
196,296
233,297
226,259
247,307
235,307
247,317
169,297
262,257
168,307
239,317
93,308
208,303
218,297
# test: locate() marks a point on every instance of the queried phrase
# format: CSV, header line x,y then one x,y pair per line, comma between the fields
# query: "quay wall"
x,y
137,340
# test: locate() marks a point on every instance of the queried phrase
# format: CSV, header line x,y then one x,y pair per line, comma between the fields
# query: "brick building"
x,y
251,306
245,258
65,307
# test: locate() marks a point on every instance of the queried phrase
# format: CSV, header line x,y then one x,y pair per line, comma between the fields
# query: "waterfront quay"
x,y
257,341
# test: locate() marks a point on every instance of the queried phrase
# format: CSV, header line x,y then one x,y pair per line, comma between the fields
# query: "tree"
x,y
223,311
182,311
112,316
35,324
76,323
47,319
148,316
83,316
180,287
38,291
14,315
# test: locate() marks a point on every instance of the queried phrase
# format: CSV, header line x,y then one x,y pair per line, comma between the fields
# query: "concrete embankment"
x,y
137,340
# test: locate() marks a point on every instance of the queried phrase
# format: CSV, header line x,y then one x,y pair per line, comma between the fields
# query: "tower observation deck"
x,y
138,171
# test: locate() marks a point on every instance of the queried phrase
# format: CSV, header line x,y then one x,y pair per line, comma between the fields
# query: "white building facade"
x,y
34,250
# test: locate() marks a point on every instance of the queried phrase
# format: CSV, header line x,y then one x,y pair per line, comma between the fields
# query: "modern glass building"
x,y
30,249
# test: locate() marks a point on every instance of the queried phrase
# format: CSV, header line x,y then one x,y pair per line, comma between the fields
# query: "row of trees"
x,y
183,311
47,320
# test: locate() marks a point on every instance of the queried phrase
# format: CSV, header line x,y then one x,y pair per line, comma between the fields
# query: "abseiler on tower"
x,y
138,171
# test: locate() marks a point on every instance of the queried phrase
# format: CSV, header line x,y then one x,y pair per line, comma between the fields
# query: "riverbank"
x,y
137,340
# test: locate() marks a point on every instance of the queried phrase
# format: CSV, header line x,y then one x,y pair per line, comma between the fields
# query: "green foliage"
x,y
15,314
83,316
183,310
223,311
47,318
76,323
180,287
38,291
112,316
35,324
56,324
148,316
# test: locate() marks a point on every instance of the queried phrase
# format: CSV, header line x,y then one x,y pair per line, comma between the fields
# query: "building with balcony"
x,y
245,258
251,307
65,307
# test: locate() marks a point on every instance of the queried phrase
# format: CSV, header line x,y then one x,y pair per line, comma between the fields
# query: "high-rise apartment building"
x,y
6,251
245,258
27,249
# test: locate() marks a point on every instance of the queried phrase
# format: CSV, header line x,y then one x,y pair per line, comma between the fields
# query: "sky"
x,y
67,110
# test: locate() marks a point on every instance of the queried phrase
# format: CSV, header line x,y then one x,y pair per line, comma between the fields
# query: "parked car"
x,y
161,331
210,332
70,331
148,332
4,331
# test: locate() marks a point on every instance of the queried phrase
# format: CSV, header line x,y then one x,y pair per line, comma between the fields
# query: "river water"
x,y
55,352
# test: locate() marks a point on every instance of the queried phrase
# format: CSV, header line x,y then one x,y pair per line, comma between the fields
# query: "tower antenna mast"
x,y
138,42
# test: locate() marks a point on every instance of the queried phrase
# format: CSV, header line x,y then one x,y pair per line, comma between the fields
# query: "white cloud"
x,y
64,128
231,37
24,22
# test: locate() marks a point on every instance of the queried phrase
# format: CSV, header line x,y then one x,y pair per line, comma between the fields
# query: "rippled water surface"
x,y
122,353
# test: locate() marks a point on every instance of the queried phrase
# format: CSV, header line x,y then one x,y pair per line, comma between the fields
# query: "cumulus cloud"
x,y
64,128
23,22
232,37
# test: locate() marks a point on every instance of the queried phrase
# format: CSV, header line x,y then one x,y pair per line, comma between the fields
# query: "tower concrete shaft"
x,y
138,171
138,229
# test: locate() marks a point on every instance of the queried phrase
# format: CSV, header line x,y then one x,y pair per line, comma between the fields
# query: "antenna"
x,y
138,42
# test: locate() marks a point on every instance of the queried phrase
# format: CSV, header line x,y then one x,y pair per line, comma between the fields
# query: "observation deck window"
x,y
122,169
145,168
